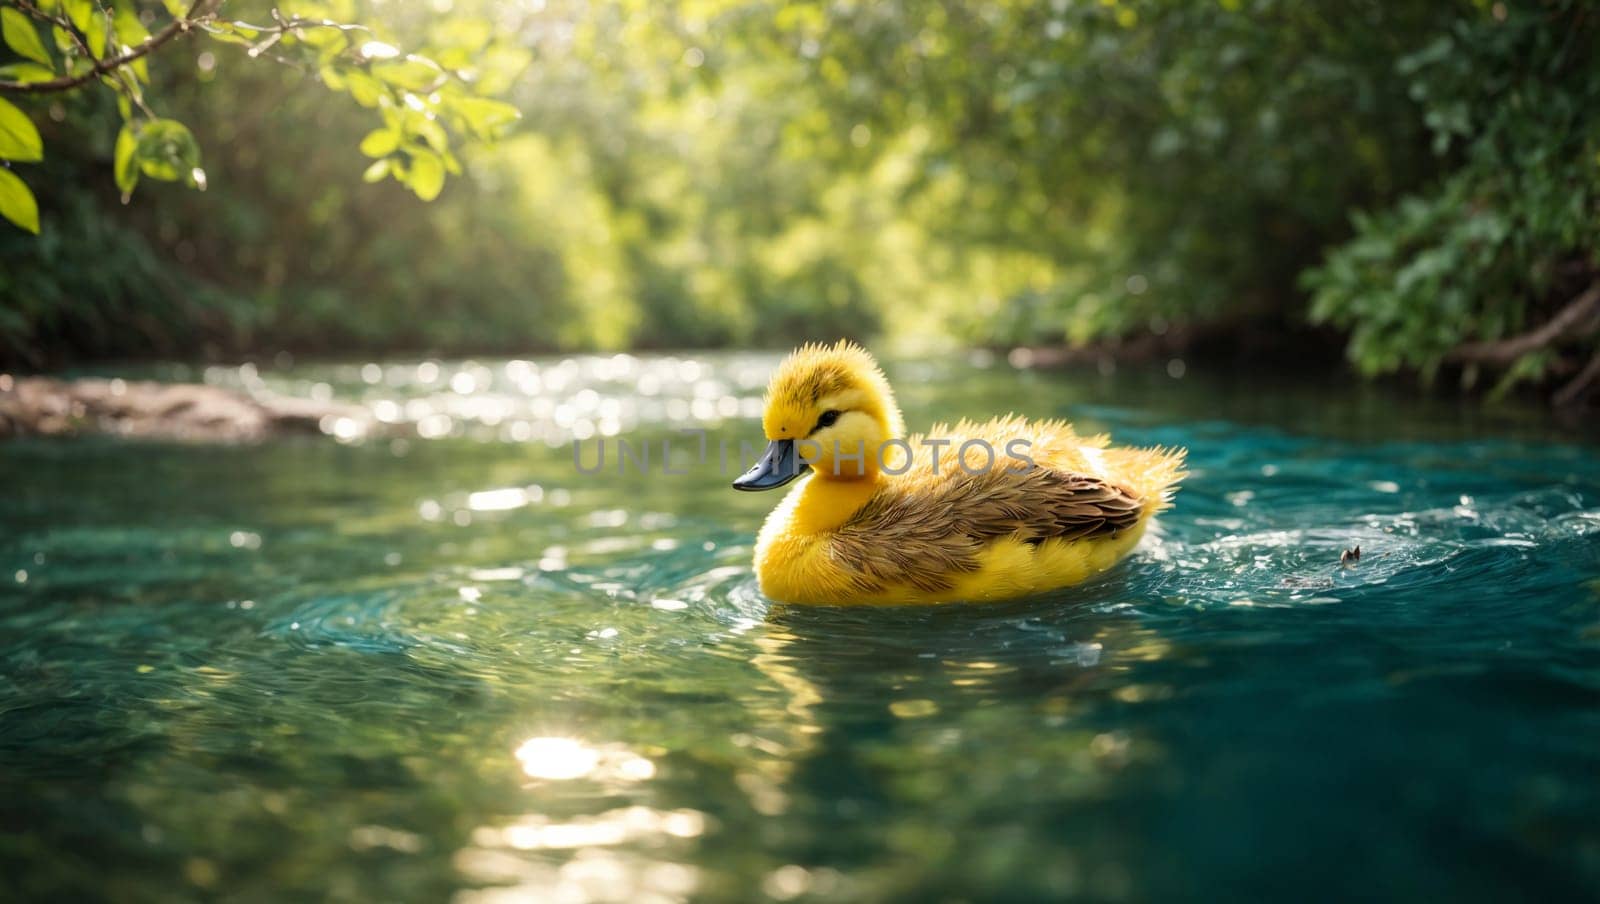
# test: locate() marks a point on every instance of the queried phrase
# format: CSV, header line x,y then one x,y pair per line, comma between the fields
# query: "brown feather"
x,y
904,536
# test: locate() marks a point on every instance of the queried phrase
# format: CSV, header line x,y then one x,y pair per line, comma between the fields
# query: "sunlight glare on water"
x,y
425,657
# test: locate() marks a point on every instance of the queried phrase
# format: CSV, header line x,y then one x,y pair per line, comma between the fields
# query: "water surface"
x,y
426,658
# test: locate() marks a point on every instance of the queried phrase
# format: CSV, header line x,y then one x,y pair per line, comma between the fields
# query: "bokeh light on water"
x,y
551,401
425,660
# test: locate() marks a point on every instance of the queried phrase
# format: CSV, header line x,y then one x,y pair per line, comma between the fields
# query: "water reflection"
x,y
553,402
592,874
594,870
560,759
418,670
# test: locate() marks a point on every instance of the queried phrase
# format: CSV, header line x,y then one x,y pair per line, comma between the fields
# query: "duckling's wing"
x,y
926,533
1076,507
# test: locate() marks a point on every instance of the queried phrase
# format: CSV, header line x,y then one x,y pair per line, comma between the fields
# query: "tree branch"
x,y
1502,352
1580,386
199,10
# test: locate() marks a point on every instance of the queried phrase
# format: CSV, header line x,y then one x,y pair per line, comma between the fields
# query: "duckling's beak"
x,y
778,466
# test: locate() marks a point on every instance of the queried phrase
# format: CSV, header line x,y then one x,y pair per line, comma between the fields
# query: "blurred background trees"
x,y
1414,183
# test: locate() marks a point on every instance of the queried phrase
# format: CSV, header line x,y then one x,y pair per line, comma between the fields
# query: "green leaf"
x,y
486,118
380,143
17,203
23,73
19,140
131,33
429,130
97,33
21,37
129,29
80,12
332,78
126,165
323,38
233,33
376,171
427,175
229,37
367,91
412,73
176,8
123,87
167,151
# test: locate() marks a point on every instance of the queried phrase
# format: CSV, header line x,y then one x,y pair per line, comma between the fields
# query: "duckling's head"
x,y
828,407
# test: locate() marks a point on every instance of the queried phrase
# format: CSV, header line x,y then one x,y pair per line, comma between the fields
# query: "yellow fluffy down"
x,y
938,531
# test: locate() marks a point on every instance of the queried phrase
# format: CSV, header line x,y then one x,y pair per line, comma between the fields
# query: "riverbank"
x,y
48,406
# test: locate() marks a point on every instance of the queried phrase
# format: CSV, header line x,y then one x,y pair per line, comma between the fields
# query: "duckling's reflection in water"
x,y
894,724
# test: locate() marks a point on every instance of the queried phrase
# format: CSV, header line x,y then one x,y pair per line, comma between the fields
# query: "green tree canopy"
x,y
1417,178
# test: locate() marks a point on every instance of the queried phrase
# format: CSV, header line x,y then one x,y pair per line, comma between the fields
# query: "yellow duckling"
x,y
971,512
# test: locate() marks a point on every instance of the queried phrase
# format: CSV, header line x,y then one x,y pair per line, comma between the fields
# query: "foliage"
x,y
1172,162
421,97
704,172
1515,222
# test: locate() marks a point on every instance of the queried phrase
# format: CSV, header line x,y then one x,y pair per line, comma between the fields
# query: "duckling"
x,y
974,511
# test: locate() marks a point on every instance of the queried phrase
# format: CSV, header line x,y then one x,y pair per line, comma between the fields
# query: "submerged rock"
x,y
188,411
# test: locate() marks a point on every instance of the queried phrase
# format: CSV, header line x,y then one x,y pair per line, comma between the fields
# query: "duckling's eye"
x,y
828,419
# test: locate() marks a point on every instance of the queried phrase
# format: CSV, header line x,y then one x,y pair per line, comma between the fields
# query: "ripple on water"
x,y
651,603
418,668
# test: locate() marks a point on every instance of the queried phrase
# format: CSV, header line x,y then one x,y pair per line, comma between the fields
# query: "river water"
x,y
427,658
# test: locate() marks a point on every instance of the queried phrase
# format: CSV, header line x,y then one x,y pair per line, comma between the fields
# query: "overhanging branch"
x,y
1502,352
1580,386
199,10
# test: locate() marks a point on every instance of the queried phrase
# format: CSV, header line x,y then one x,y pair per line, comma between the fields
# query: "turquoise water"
x,y
426,659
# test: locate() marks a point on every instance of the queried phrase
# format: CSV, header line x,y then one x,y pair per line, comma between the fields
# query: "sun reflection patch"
x,y
566,759
592,875
628,854
501,500
619,826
